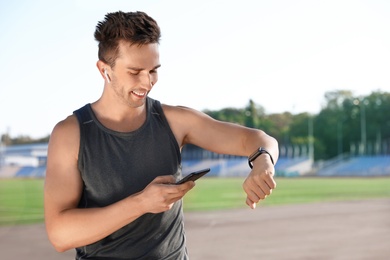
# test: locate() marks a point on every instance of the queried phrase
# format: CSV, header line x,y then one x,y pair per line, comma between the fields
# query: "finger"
x,y
250,203
181,189
270,182
263,186
252,191
254,196
186,185
173,197
260,188
164,179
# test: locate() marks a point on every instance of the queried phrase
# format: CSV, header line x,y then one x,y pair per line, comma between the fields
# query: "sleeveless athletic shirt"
x,y
114,165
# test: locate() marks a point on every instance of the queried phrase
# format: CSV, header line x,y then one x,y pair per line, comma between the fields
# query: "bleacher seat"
x,y
359,166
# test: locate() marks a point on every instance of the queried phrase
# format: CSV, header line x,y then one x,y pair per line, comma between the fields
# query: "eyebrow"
x,y
139,69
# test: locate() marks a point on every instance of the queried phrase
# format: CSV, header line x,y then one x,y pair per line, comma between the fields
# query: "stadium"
x,y
29,161
347,229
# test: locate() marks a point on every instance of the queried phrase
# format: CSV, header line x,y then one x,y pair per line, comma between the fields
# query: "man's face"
x,y
135,72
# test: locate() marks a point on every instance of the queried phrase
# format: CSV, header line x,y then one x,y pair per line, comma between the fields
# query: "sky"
x,y
284,55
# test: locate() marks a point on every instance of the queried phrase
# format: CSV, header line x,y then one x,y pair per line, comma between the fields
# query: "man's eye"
x,y
135,73
153,71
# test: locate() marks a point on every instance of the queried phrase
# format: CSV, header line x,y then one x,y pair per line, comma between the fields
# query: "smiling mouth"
x,y
138,94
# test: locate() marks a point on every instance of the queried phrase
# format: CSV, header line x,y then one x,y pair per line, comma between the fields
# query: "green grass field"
x,y
21,200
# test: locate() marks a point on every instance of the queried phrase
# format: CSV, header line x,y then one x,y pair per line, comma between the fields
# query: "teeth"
x,y
139,93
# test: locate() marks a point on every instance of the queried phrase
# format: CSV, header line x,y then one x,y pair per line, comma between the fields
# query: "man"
x,y
112,165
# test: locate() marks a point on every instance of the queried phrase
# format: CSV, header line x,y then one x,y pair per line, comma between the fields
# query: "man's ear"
x,y
104,70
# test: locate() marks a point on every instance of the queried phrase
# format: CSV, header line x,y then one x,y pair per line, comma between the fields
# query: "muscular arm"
x,y
194,127
68,226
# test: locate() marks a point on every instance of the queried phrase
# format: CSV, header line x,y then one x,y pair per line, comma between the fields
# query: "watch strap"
x,y
256,154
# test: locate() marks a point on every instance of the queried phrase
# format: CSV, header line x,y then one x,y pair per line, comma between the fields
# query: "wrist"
x,y
256,154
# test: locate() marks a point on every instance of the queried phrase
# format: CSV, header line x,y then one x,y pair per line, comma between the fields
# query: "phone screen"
x,y
193,176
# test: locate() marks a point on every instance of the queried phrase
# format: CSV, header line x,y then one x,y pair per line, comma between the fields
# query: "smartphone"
x,y
193,176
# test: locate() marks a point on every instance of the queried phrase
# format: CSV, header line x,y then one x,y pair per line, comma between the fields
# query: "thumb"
x,y
164,179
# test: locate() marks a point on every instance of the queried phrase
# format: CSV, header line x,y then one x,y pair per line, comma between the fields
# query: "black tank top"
x,y
114,165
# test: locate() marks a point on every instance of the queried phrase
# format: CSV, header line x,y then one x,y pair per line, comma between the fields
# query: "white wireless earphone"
x,y
107,78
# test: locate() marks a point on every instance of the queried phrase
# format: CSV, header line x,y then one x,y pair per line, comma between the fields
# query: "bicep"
x,y
194,127
218,136
62,182
214,135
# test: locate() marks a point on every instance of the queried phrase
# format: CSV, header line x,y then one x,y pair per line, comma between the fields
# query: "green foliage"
x,y
343,120
252,115
338,125
6,139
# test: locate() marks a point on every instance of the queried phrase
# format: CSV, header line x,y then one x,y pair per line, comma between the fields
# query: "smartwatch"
x,y
256,154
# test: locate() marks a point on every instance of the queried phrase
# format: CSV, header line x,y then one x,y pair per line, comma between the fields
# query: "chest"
x,y
115,166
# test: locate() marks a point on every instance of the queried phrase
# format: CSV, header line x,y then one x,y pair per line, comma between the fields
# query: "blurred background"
x,y
313,74
282,55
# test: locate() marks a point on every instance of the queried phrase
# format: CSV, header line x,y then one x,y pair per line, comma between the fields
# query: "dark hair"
x,y
132,27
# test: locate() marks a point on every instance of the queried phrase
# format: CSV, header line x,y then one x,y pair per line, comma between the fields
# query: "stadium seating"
x,y
359,166
224,166
31,172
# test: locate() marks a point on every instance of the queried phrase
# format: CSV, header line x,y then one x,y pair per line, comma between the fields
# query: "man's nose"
x,y
148,81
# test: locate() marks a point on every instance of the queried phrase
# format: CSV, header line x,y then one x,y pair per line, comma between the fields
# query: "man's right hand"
x,y
161,194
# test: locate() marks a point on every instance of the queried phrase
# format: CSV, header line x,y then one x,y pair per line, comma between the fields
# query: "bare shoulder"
x,y
67,124
182,112
65,136
187,124
175,109
66,128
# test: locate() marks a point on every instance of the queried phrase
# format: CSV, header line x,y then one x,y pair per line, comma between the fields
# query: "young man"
x,y
112,164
